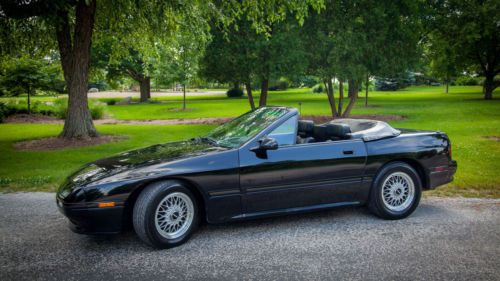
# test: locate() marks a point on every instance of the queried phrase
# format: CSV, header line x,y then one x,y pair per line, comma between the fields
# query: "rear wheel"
x,y
396,191
165,214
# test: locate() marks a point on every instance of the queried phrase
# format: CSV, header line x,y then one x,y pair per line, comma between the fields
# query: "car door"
x,y
300,175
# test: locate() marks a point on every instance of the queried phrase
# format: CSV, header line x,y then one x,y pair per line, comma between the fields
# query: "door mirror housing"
x,y
264,145
268,143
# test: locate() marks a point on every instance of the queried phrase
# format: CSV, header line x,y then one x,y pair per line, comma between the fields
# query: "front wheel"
x,y
395,192
165,214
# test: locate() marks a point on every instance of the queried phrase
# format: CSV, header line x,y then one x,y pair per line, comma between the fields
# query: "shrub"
x,y
318,88
3,111
97,108
111,102
468,81
234,93
281,84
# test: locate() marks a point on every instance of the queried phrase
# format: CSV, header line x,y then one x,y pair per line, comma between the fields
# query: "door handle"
x,y
348,152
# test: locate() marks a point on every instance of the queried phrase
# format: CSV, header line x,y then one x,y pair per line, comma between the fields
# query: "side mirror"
x,y
268,144
264,145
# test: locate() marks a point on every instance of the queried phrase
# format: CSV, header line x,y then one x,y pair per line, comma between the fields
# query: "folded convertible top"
x,y
368,130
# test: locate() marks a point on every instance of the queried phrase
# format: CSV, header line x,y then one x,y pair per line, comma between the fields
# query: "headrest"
x,y
338,130
331,131
305,127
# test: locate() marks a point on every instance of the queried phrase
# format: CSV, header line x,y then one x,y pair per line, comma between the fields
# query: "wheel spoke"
x,y
398,191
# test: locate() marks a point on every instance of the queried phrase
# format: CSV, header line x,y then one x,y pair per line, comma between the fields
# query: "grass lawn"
x,y
44,170
462,114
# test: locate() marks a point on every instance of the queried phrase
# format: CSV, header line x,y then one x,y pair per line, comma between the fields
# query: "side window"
x,y
286,133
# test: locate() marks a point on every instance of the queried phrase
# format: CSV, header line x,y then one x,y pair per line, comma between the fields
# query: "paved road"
x,y
445,239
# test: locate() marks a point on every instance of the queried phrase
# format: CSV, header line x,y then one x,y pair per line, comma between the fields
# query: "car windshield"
x,y
238,131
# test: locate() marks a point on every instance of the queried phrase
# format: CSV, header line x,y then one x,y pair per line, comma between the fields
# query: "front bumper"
x,y
92,220
442,175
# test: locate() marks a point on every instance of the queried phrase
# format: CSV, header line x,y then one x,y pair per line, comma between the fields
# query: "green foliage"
x,y
3,111
234,93
280,85
241,55
318,88
466,37
24,75
469,81
352,38
303,81
97,108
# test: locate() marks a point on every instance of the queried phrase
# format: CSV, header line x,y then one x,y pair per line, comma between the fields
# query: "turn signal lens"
x,y
106,204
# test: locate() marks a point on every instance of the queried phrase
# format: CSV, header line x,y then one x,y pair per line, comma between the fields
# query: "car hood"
x,y
134,160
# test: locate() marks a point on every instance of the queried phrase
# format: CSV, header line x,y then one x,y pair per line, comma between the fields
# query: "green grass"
x,y
44,170
463,114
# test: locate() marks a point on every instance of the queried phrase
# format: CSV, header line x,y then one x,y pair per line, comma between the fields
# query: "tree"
x,y
131,65
230,56
26,76
241,54
184,52
442,62
72,22
470,32
351,40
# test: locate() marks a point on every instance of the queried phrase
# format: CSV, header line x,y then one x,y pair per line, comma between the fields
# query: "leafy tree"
x,y
131,65
241,54
469,33
231,56
351,40
443,63
26,76
73,23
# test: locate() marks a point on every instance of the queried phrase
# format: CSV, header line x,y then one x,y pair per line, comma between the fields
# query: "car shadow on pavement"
x,y
342,217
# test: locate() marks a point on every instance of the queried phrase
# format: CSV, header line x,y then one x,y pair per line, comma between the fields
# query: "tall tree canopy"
x,y
74,23
351,39
470,32
240,55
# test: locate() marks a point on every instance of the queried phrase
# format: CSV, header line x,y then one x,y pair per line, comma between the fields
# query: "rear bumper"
x,y
93,220
442,175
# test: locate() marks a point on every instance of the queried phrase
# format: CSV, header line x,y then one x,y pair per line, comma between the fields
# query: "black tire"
x,y
376,203
145,211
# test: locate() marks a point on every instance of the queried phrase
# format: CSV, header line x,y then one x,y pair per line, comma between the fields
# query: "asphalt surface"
x,y
445,239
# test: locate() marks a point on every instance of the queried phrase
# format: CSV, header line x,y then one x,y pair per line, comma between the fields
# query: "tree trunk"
x,y
248,87
145,88
447,86
75,61
263,92
367,83
341,97
352,94
331,97
29,101
184,97
489,86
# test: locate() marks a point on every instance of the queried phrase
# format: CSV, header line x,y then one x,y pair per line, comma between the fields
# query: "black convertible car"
x,y
266,162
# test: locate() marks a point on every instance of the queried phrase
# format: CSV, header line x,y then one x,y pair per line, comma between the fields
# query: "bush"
x,y
318,88
281,84
468,81
3,111
234,93
111,102
304,82
97,108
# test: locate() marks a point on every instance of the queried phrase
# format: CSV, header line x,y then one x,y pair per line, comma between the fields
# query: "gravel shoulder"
x,y
445,239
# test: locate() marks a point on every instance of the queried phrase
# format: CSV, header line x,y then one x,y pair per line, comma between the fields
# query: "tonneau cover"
x,y
368,130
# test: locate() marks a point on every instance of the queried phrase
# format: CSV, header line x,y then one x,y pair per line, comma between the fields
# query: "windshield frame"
x,y
252,142
289,112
